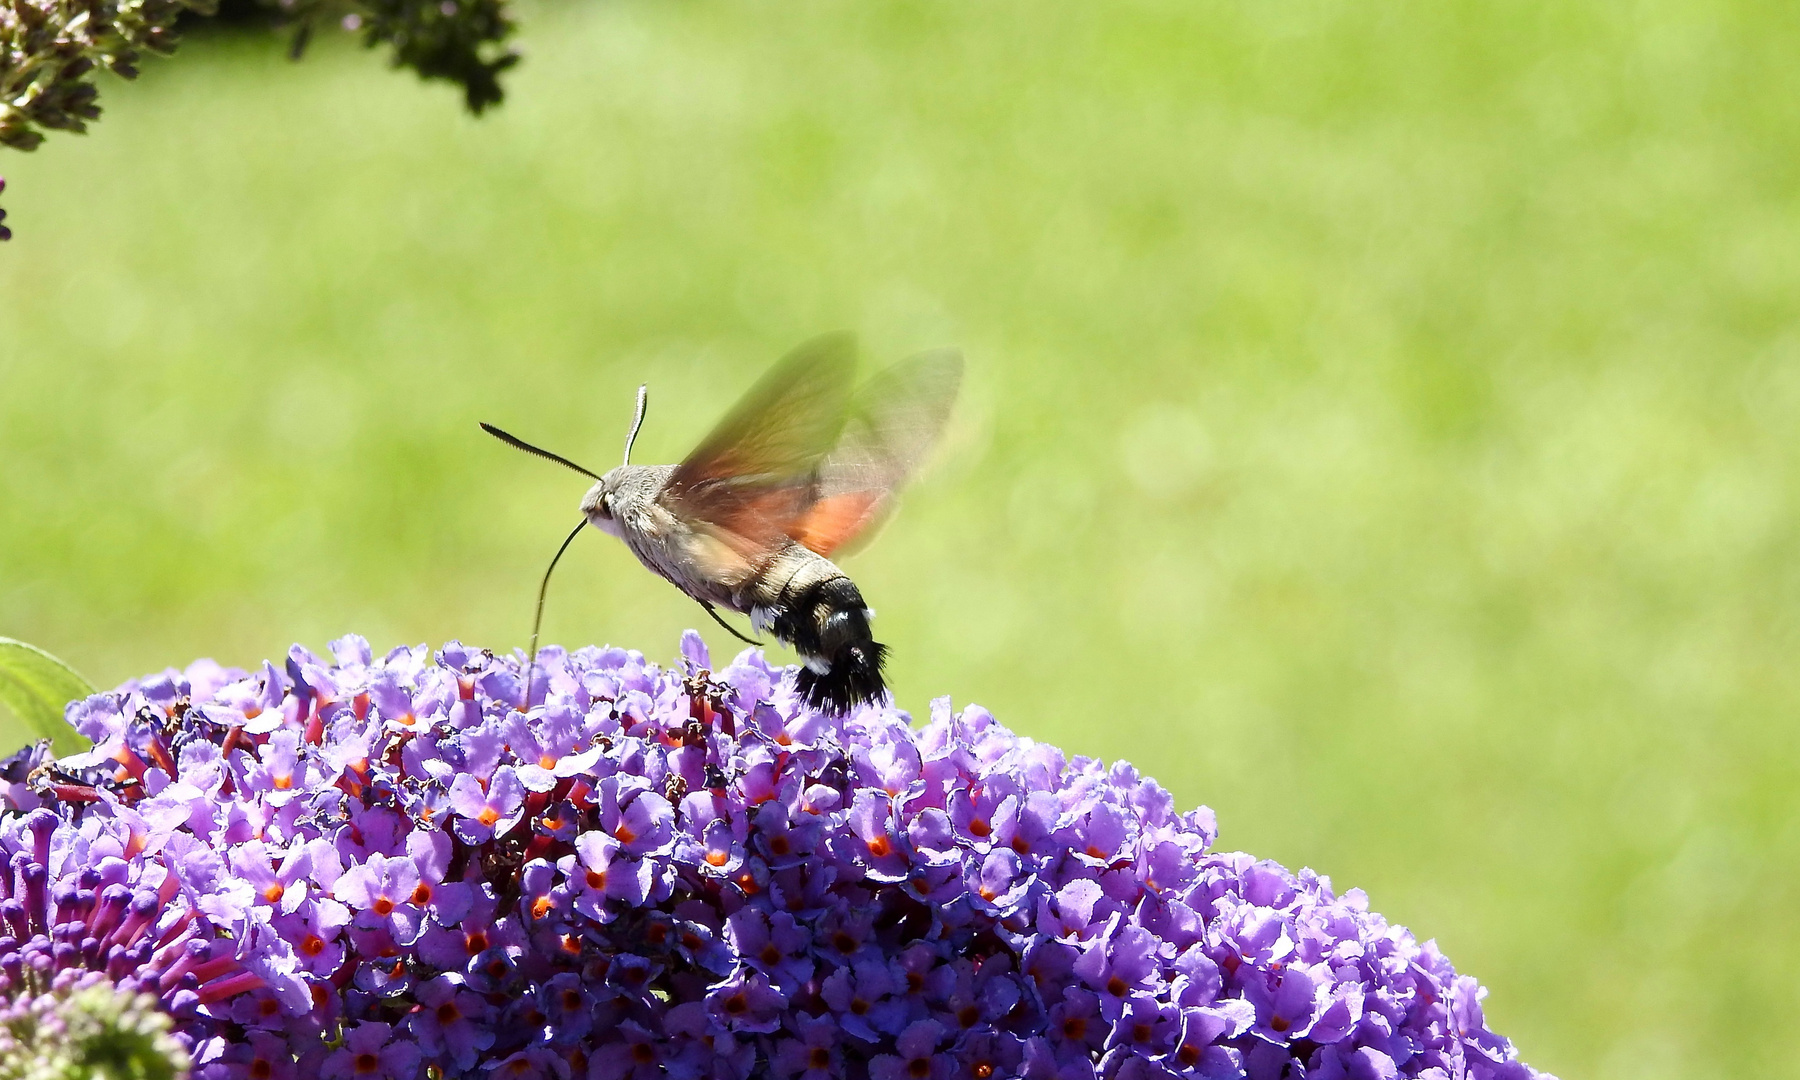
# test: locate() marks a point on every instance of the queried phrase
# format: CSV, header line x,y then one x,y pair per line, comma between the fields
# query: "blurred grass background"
x,y
1380,426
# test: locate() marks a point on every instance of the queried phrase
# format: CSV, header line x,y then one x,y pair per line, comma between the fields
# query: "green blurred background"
x,y
1380,425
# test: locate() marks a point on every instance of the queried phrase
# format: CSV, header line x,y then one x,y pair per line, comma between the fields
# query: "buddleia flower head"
x,y
350,865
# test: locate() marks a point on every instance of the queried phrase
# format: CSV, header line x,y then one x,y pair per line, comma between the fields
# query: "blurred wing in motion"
x,y
757,471
894,420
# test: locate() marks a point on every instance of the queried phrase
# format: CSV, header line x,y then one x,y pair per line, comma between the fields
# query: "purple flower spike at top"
x,y
400,867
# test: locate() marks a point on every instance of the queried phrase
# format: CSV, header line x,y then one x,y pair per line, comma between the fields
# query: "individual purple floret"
x,y
414,866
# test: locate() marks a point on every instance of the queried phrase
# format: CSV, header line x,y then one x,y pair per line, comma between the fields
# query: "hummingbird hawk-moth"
x,y
804,466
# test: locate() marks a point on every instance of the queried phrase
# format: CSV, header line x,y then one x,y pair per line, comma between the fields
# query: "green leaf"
x,y
36,686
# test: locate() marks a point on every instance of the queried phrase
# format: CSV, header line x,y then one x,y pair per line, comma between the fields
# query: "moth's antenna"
x,y
636,421
520,444
537,620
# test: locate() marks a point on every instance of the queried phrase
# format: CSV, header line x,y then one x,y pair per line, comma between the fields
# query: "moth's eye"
x,y
605,507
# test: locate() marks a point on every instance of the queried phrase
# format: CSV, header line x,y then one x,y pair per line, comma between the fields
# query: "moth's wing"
x,y
894,420
757,471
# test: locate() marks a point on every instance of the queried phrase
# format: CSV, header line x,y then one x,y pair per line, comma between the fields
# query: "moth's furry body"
x,y
793,592
803,466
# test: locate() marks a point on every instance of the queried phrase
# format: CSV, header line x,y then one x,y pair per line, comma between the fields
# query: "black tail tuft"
x,y
828,624
854,677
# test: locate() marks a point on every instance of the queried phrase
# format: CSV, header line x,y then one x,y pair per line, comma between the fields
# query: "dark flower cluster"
x,y
49,50
428,865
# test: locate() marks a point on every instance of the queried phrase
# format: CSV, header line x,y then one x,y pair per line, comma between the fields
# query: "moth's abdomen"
x,y
827,623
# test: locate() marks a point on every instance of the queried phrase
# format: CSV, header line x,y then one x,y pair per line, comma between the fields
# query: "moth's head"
x,y
601,504
622,492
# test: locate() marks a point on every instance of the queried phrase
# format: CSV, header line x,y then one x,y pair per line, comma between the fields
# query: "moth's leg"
x,y
730,629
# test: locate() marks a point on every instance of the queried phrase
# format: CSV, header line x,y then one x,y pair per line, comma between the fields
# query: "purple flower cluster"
x,y
106,915
422,865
